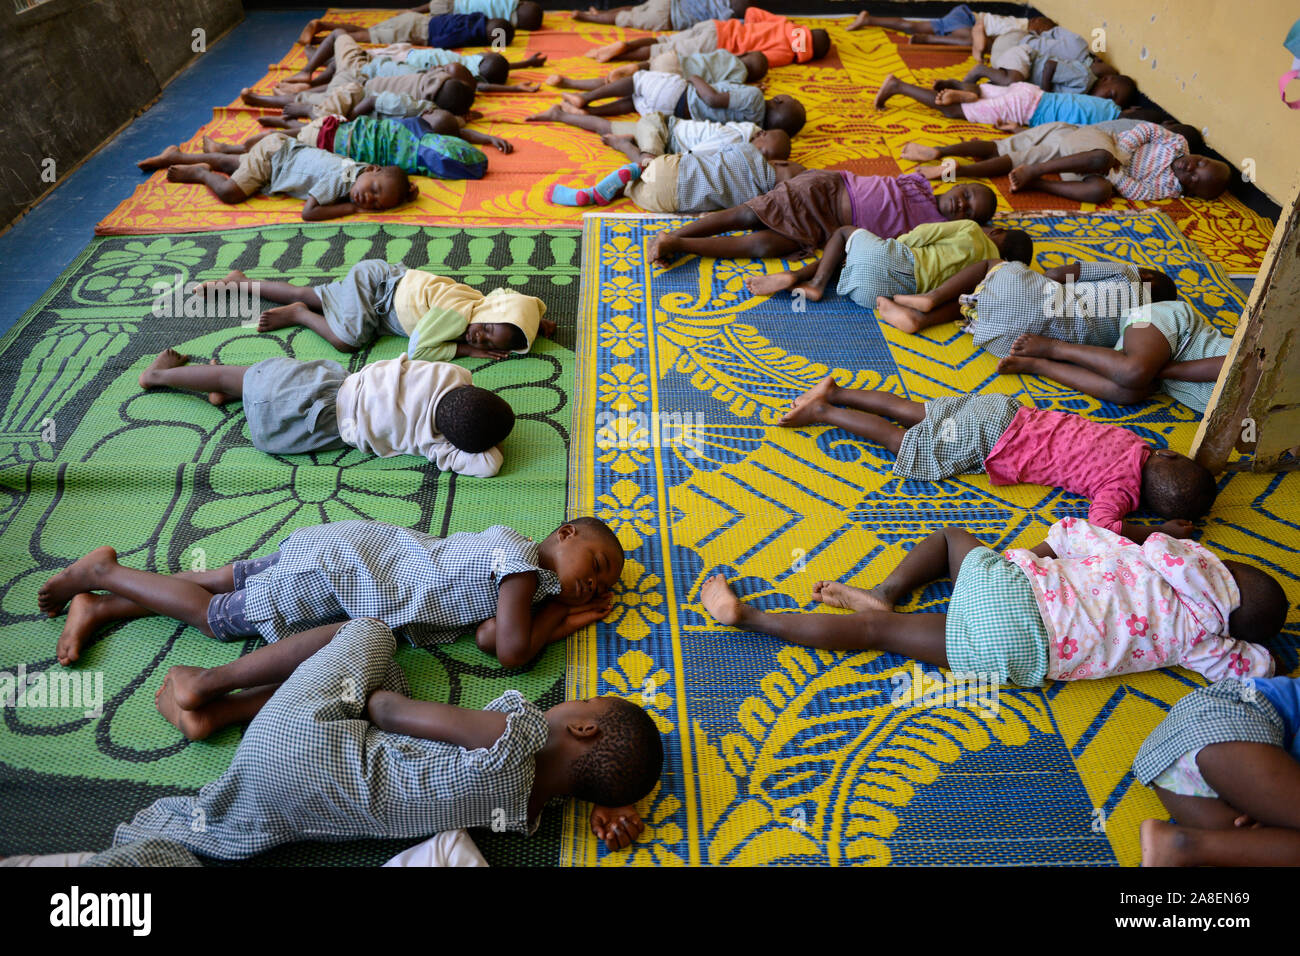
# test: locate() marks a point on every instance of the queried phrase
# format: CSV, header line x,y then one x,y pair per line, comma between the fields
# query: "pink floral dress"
x,y
1115,607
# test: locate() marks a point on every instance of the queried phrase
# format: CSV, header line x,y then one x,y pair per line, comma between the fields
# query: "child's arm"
x,y
537,59
546,327
617,826
483,139
1175,528
312,211
1043,550
1198,370
962,283
710,96
364,108
1048,72
465,350
517,635
1062,272
430,720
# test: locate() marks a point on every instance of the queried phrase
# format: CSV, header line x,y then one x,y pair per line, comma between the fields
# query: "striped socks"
x,y
601,194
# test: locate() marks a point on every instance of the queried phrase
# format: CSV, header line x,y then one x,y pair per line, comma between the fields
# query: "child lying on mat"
x,y
490,70
1224,764
521,596
1020,105
802,214
697,181
330,185
444,319
871,268
432,144
998,301
338,750
779,39
392,407
1057,60
1138,160
1165,346
660,16
714,67
657,134
442,23
445,87
1085,604
693,98
960,26
1013,444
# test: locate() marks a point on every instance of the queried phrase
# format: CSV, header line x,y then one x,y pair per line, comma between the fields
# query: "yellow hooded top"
x,y
435,311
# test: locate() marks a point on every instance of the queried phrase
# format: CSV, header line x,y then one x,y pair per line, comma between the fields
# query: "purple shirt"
x,y
891,205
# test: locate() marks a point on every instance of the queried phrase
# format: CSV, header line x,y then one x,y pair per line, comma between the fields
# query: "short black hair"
x,y
624,762
474,419
506,28
1163,288
494,68
1017,246
398,175
1263,608
1178,487
755,65
821,43
1195,141
1125,89
788,114
528,15
518,338
738,8
1147,114
598,528
979,189
455,96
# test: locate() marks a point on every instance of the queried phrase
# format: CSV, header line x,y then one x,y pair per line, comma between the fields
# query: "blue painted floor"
x,y
41,245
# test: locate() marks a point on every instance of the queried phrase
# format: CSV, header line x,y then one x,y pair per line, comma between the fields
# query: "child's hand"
x,y
537,59
617,826
528,86
465,350
501,144
583,615
1178,528
546,327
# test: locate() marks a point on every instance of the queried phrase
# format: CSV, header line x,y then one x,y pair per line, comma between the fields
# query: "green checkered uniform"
x,y
955,437
994,626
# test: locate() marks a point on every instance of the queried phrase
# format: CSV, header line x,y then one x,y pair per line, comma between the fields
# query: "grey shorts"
x,y
290,405
406,27
701,38
359,307
651,15
226,615
875,266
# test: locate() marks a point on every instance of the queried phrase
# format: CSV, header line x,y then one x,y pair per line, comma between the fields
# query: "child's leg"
x,y
973,148
919,636
689,240
893,86
168,595
207,720
1260,780
820,405
592,15
780,281
832,261
223,187
170,369
297,313
568,83
324,53
901,25
263,99
960,37
1164,844
912,320
1093,164
638,49
612,108
619,89
592,124
172,156
1123,376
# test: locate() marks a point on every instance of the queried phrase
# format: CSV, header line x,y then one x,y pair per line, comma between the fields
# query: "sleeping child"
x,y
520,595
1087,603
444,319
331,185
392,407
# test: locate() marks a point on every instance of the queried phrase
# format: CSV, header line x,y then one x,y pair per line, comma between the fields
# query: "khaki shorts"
x,y
1038,144
340,100
652,133
701,38
668,62
406,27
310,134
651,15
349,58
656,190
254,170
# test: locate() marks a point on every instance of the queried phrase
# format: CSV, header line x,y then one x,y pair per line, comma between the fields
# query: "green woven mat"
x,y
87,458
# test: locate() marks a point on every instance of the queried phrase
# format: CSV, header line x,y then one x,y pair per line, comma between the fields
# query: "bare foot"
x,y
622,72
1163,843
809,407
77,577
186,686
887,89
191,723
899,316
918,153
721,602
167,358
946,85
193,173
661,248
574,100
863,19
1015,365
835,594
309,32
770,284
937,171
218,398
954,97
281,317
813,293
567,107
1022,177
550,116
232,277
166,158
555,79
604,54
1037,346
85,617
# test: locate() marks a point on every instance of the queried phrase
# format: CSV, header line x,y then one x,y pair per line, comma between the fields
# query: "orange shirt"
x,y
775,36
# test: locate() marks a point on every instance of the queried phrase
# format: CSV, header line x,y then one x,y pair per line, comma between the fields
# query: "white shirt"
x,y
389,407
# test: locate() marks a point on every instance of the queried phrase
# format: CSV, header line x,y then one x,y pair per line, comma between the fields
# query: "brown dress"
x,y
804,208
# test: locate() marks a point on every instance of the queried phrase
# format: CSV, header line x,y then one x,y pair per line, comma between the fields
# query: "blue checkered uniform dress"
x,y
311,767
428,589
